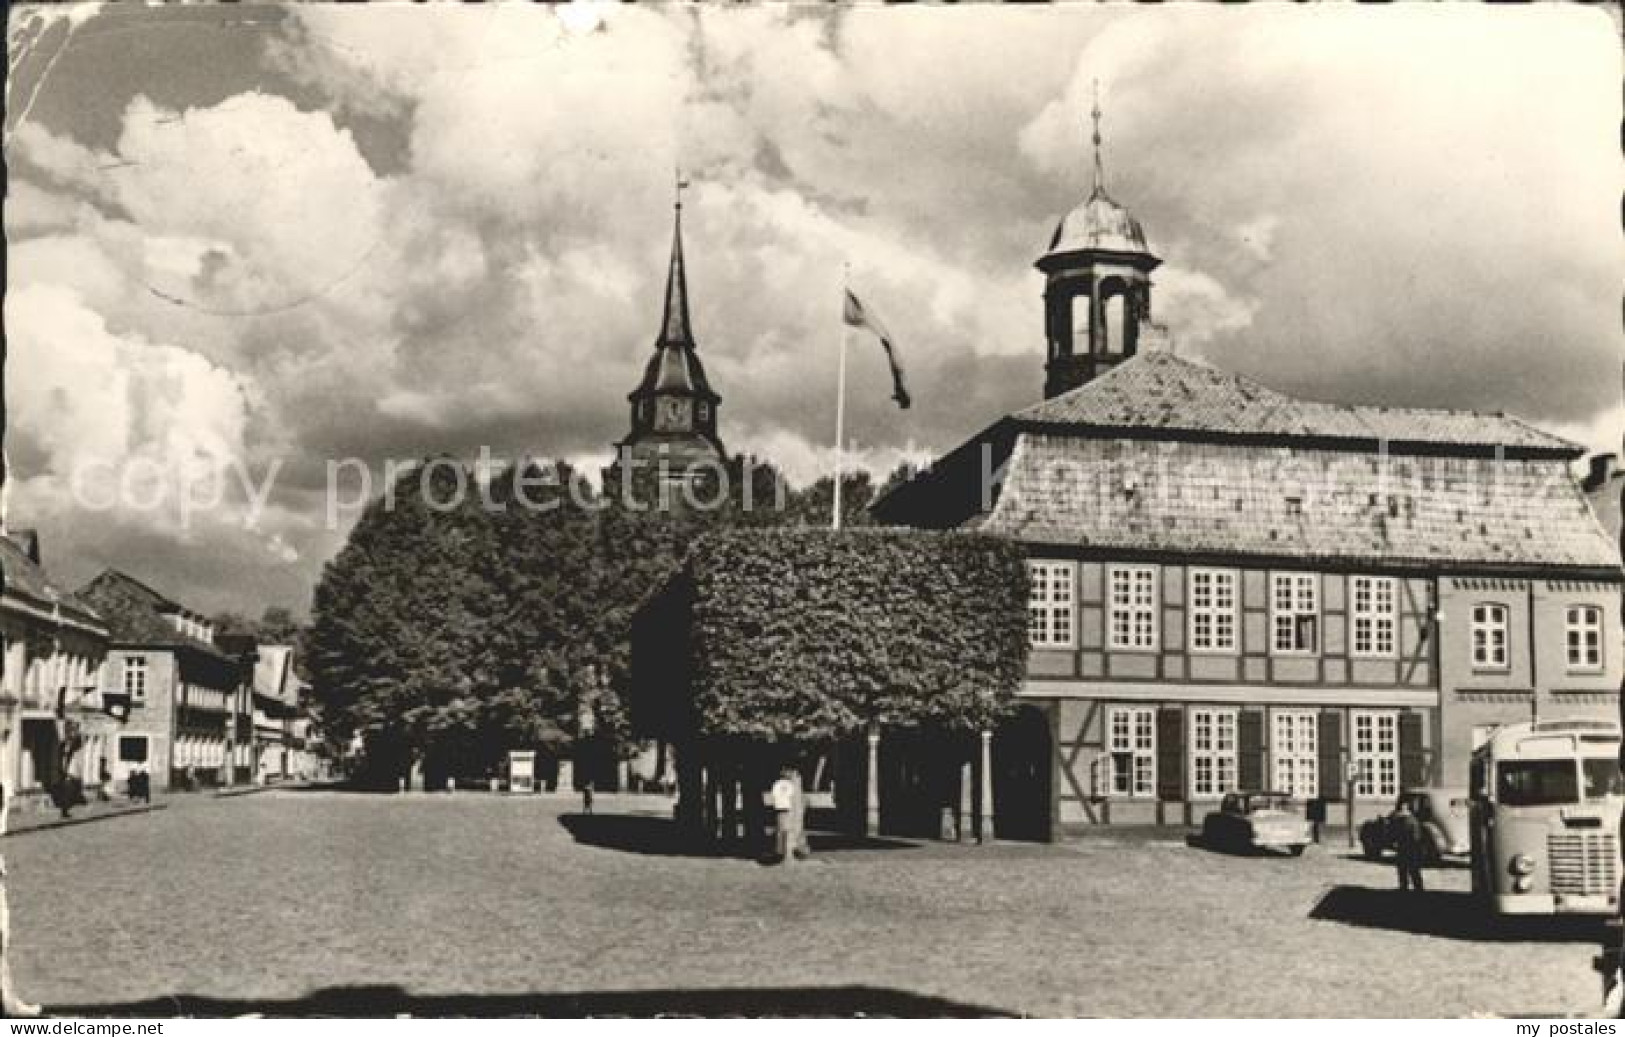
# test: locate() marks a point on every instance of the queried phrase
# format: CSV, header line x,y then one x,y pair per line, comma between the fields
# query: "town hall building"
x,y
1233,588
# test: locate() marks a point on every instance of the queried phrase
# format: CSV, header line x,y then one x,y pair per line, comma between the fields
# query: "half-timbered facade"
x,y
1233,588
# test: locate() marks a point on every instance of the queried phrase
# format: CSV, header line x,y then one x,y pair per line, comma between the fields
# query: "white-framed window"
x,y
1131,740
1582,636
1376,616
1295,613
1376,753
1295,752
1213,752
1133,622
135,677
1488,630
1213,610
1051,604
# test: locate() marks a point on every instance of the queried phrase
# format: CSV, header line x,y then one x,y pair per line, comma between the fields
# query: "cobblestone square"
x,y
326,903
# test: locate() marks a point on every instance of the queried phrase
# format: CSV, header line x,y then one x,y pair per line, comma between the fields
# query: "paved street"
x,y
320,902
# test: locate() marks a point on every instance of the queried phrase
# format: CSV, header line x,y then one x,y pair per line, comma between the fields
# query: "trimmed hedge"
x,y
807,634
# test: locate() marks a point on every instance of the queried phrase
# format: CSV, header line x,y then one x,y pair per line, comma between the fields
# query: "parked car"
x,y
1446,825
1247,821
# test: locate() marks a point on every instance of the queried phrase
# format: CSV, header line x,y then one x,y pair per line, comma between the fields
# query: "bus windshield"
x,y
1537,783
1602,777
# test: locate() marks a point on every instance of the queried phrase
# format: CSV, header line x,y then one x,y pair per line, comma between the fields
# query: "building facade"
x,y
283,749
1236,589
188,700
53,649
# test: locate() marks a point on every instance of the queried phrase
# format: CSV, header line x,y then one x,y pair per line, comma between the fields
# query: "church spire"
x,y
674,326
674,408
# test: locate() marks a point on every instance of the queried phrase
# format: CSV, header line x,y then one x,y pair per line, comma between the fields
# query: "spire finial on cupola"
x,y
1100,168
674,326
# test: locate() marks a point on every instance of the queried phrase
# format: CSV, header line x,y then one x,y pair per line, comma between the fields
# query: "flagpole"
x,y
840,405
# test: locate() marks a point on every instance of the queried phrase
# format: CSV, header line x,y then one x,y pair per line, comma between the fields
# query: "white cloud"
x,y
1349,203
95,405
804,462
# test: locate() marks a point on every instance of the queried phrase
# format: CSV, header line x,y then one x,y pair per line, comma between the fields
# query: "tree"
x,y
448,634
813,506
276,626
807,635
395,646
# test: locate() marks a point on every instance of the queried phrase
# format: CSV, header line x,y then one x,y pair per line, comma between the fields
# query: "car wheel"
x,y
1297,851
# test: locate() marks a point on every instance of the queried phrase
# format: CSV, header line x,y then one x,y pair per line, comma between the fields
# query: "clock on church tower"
x,y
673,414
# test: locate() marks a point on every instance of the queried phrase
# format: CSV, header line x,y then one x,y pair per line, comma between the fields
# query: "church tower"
x,y
1097,293
674,408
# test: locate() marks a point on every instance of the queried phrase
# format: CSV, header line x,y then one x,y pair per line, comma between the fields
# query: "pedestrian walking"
x,y
1408,838
586,797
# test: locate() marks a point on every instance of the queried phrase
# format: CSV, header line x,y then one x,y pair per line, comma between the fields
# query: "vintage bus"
x,y
1546,799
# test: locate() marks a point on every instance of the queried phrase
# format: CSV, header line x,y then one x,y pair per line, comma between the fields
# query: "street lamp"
x,y
1351,772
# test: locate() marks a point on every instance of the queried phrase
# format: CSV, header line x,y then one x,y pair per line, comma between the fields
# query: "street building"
x,y
54,647
283,749
190,719
1233,588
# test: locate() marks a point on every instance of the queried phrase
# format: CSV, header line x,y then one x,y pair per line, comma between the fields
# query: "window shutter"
x,y
1330,737
1250,749
1170,753
1413,764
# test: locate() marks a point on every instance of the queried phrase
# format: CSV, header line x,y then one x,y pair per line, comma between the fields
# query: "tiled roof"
x,y
1163,392
26,578
1311,504
135,613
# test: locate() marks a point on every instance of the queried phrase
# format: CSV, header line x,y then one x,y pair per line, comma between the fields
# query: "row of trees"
x,y
455,625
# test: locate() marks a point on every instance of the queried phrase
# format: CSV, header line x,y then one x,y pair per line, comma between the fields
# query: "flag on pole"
x,y
859,317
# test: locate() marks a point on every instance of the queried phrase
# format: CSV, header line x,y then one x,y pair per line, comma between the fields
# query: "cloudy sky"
x,y
275,237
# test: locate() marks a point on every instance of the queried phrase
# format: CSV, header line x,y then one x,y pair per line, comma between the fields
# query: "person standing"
x,y
1408,838
783,798
586,796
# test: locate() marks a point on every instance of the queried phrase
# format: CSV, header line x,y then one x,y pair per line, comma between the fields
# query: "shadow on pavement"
x,y
387,1001
662,837
1387,861
1448,914
1194,841
634,833
358,788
